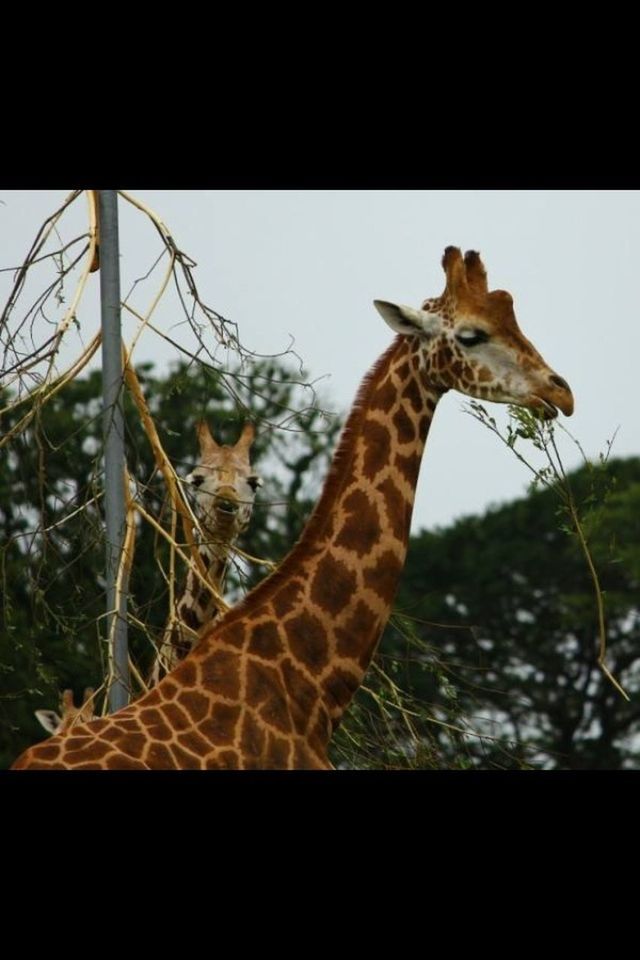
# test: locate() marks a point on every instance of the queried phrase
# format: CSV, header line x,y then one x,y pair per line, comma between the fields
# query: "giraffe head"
x,y
225,485
59,722
471,342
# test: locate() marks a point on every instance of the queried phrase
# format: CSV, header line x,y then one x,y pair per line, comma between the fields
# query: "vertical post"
x,y
114,459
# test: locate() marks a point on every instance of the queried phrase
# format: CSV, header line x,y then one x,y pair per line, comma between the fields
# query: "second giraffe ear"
x,y
408,320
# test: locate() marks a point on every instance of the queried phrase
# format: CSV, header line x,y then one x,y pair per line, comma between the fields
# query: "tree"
x,y
507,602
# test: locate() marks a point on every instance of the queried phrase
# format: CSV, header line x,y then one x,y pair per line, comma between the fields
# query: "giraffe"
x,y
268,684
225,489
69,714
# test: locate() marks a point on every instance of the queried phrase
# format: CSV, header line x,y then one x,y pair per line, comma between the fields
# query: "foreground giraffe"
x,y
225,488
268,684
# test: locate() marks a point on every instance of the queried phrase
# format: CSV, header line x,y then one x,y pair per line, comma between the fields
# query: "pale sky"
x,y
308,264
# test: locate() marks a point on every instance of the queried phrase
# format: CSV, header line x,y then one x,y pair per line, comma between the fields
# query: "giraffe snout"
x,y
561,395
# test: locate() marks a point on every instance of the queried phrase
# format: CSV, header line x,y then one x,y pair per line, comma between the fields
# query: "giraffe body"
x,y
268,684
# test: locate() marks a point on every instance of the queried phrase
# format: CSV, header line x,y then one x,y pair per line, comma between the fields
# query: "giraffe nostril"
x,y
559,382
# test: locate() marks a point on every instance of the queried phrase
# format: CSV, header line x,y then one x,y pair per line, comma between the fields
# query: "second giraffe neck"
x,y
197,605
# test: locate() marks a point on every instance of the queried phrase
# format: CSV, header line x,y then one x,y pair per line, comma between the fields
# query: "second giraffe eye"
x,y
471,338
254,483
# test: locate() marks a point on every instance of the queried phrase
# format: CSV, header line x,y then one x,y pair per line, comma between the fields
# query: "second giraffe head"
x,y
225,483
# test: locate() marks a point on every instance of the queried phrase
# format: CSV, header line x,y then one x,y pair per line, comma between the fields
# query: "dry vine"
x,y
30,368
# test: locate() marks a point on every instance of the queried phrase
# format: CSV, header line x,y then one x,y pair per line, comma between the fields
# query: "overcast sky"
x,y
309,265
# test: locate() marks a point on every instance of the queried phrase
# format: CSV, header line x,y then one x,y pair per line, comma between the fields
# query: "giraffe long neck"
x,y
311,629
266,686
196,607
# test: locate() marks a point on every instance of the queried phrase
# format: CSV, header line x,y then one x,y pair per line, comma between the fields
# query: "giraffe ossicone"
x,y
269,682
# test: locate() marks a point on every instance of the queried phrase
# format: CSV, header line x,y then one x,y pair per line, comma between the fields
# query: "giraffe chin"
x,y
225,523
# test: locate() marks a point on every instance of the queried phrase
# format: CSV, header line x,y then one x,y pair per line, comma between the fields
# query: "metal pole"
x,y
114,460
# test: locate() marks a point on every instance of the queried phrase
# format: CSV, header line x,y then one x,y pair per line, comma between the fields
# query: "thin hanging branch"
x,y
525,425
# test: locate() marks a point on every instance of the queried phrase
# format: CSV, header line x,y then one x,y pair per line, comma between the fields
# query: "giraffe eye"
x,y
197,480
254,483
471,338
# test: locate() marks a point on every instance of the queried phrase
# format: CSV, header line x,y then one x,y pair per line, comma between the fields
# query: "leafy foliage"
x,y
507,601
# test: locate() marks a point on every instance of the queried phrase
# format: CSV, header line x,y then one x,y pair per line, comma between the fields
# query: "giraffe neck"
x,y
318,619
266,686
196,607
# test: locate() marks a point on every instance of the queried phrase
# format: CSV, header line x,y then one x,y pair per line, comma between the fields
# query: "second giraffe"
x,y
225,489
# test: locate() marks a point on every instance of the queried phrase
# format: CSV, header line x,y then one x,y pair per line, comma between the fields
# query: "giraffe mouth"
x,y
543,408
227,507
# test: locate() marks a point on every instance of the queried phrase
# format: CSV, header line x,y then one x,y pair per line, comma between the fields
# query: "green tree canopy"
x,y
504,615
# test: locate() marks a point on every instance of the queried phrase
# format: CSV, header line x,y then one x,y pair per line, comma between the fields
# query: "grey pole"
x,y
114,460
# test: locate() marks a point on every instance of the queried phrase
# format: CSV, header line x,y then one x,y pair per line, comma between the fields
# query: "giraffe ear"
x,y
48,719
205,439
408,320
